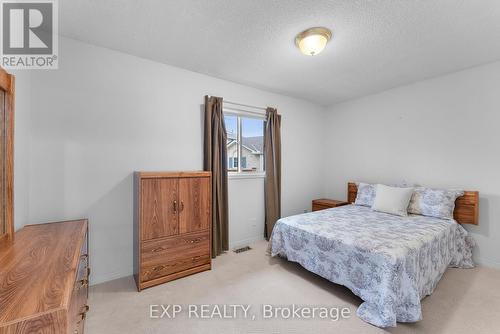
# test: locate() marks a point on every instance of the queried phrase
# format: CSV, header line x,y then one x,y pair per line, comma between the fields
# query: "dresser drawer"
x,y
79,306
83,268
181,246
317,207
324,203
78,309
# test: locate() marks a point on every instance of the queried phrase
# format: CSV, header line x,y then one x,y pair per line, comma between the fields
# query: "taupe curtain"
x,y
272,160
215,160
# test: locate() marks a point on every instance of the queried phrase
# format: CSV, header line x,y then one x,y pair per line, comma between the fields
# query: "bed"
x,y
390,262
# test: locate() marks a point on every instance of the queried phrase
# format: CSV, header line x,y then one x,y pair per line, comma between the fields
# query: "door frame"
x,y
7,84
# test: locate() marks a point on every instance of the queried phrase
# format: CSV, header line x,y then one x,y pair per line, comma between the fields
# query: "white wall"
x,y
246,213
105,114
443,132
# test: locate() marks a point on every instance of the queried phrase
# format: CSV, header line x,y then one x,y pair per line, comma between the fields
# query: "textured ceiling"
x,y
377,44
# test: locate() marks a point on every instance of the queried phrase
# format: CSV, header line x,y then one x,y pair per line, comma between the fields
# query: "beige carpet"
x,y
465,301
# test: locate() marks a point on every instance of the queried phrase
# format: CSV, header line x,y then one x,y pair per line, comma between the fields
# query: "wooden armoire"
x,y
172,226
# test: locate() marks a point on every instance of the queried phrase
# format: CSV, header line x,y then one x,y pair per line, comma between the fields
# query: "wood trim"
x,y
352,191
137,229
7,84
328,202
58,222
150,175
466,206
211,223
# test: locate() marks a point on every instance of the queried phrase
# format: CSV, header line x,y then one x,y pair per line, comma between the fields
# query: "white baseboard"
x,y
244,242
98,279
488,263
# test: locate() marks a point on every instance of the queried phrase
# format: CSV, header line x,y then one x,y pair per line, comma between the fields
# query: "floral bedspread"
x,y
390,262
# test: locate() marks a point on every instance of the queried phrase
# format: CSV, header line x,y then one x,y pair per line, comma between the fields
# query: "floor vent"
x,y
242,249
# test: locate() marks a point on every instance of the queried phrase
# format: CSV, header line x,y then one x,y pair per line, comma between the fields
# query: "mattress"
x,y
390,262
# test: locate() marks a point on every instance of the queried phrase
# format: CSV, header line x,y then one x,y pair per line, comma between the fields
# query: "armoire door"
x,y
194,210
160,207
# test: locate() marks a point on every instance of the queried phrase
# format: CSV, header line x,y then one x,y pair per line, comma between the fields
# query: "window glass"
x,y
231,123
252,145
245,144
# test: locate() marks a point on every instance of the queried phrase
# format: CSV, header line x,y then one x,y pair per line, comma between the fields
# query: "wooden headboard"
x,y
466,206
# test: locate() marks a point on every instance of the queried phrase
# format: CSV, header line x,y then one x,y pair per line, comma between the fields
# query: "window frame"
x,y
239,174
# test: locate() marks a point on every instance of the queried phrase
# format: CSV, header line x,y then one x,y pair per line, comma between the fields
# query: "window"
x,y
233,163
245,143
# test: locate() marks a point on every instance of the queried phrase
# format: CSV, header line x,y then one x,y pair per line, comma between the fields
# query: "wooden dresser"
x,y
172,226
44,279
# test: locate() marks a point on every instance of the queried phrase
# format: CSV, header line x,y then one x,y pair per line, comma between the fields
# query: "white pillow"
x,y
393,200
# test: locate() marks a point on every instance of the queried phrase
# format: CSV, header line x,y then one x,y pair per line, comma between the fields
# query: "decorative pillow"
x,y
366,194
393,200
439,203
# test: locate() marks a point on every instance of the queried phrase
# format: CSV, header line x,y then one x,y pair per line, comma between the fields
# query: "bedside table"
x,y
325,203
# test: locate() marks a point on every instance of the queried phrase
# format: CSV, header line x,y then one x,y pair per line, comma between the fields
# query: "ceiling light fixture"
x,y
313,40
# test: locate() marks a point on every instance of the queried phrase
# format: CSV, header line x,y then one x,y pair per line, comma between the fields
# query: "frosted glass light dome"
x,y
312,41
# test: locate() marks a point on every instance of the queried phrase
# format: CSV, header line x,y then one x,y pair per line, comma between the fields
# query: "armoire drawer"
x,y
164,266
156,251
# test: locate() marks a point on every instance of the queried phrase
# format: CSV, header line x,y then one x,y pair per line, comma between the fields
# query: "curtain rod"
x,y
243,105
243,111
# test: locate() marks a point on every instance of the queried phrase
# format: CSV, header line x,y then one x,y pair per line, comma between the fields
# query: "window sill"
x,y
246,176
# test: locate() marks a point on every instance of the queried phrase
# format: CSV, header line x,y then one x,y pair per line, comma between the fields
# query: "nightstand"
x,y
325,203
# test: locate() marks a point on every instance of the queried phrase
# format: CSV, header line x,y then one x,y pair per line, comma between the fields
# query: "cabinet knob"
x,y
175,206
82,283
82,316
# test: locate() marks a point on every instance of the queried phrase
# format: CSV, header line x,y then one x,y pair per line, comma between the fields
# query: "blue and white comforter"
x,y
391,262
